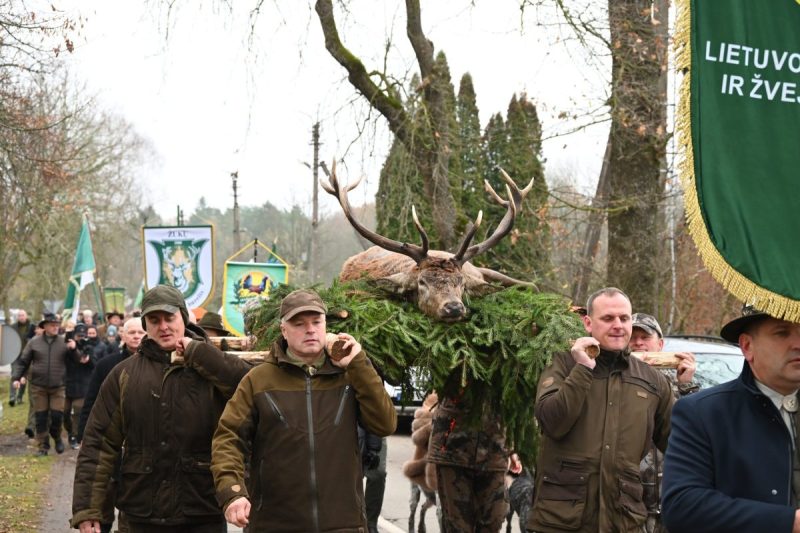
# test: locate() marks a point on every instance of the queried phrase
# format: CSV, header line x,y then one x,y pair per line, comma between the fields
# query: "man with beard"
x,y
162,405
598,409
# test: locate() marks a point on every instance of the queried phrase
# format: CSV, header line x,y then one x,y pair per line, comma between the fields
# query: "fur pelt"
x,y
418,470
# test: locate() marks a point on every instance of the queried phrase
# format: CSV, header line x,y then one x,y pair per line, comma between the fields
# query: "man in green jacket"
x,y
161,405
295,419
598,409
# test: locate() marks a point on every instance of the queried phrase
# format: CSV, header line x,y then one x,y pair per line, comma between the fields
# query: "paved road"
x,y
394,515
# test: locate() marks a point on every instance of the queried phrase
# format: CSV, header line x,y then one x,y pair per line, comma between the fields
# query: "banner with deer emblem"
x,y
244,282
181,256
738,131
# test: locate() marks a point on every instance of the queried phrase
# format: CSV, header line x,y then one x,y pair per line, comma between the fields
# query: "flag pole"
x,y
97,289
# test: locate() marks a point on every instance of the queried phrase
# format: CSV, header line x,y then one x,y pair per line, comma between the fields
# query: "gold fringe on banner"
x,y
734,282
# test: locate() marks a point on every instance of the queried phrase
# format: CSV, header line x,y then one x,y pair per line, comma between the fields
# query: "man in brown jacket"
x,y
162,405
598,408
294,418
46,355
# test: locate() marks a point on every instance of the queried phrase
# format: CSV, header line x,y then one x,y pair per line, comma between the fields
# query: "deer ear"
x,y
477,287
399,283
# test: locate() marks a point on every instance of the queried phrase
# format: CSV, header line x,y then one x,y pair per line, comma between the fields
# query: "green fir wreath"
x,y
492,358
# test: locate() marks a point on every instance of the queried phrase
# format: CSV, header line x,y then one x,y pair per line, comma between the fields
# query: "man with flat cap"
x,y
294,418
162,405
733,463
647,336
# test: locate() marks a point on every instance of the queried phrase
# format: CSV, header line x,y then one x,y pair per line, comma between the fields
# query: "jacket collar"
x,y
748,380
150,348
278,353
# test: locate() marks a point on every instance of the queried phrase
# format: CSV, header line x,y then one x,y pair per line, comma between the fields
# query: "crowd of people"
x,y
179,436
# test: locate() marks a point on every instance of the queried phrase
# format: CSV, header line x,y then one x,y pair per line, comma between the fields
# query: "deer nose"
x,y
452,310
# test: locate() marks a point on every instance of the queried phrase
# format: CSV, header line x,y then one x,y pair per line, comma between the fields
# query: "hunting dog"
x,y
520,497
417,470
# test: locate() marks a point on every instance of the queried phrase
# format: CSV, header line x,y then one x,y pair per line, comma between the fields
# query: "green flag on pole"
x,y
82,272
738,125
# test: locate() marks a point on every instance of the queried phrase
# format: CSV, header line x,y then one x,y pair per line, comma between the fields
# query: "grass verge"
x,y
22,477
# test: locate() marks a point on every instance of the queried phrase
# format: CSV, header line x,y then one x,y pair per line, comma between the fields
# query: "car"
x,y
407,397
718,360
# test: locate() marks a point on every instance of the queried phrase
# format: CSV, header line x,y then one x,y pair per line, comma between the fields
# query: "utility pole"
x,y
180,216
313,253
237,244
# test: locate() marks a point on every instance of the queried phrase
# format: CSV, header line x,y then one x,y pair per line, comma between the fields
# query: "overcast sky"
x,y
211,101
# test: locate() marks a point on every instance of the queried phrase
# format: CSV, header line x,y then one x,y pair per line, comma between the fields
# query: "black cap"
x,y
80,329
750,315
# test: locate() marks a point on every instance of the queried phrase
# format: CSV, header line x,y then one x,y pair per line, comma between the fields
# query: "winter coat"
x,y
47,359
78,373
101,370
164,413
728,467
596,425
300,424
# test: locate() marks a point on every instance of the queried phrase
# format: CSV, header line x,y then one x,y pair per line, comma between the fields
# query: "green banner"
x,y
244,282
114,299
739,128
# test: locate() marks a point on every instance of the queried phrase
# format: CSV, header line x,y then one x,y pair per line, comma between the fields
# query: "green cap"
x,y
164,298
301,301
213,321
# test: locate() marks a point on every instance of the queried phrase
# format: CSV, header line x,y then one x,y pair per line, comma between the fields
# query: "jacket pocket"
x,y
136,485
198,494
561,499
631,497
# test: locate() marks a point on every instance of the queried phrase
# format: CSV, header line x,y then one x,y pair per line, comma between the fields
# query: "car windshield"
x,y
717,360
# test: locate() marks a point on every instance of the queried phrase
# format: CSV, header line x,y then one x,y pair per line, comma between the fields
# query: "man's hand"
x,y
16,384
796,526
23,380
352,344
84,359
514,464
238,512
71,344
580,354
686,367
182,344
90,526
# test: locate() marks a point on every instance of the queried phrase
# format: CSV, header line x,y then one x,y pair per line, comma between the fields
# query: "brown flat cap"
x,y
301,301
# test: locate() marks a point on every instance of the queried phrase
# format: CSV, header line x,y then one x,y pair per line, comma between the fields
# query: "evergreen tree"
x,y
470,149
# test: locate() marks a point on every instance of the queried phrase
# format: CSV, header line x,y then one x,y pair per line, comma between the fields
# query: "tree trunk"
x,y
638,140
430,149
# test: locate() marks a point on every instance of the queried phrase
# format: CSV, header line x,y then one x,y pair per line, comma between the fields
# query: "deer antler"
x,y
512,205
415,252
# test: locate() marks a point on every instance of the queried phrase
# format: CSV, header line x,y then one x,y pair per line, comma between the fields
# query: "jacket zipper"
x,y
339,413
276,409
312,461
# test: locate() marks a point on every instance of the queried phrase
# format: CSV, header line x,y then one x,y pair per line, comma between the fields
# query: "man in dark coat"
x,y
77,379
163,408
732,461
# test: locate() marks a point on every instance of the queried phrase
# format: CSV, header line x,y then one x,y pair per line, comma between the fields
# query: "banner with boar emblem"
x,y
181,256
